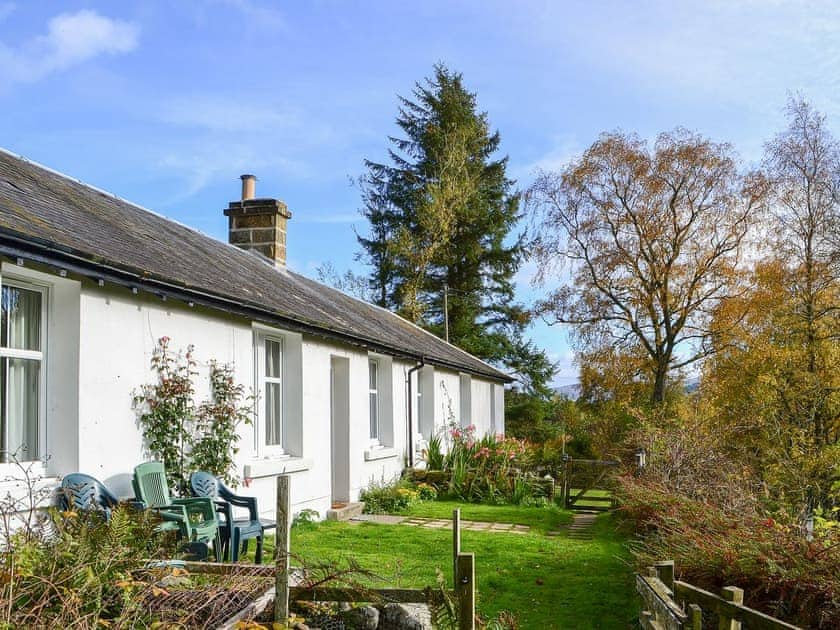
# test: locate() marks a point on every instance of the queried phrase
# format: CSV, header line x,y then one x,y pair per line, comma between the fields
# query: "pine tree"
x,y
442,214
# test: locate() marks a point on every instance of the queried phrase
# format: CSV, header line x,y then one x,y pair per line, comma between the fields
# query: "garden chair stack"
x,y
195,517
235,532
83,492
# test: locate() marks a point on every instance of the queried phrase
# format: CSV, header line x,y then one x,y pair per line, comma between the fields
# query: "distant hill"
x,y
572,392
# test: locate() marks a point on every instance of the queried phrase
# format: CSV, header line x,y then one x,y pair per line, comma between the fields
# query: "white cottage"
x,y
90,282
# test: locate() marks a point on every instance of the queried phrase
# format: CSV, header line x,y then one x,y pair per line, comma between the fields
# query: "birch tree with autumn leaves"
x,y
653,238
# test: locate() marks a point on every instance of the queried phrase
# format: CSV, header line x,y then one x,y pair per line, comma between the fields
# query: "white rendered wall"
x,y
119,332
105,357
482,407
447,398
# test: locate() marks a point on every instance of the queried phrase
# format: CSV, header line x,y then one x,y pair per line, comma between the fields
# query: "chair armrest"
x,y
226,509
172,512
198,505
242,501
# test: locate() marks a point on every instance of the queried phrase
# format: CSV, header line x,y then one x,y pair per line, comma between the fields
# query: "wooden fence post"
x,y
736,596
564,486
665,573
456,545
466,591
695,616
281,553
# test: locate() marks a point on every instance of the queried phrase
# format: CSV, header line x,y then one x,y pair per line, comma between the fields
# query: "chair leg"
x,y
234,545
217,547
258,552
244,546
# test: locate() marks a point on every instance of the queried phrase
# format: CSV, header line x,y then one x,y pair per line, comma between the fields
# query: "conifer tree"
x,y
442,212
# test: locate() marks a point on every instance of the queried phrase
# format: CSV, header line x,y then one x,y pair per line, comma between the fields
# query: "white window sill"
x,y
276,466
380,452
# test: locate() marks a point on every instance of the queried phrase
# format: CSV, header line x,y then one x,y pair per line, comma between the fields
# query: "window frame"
x,y
41,356
375,439
261,445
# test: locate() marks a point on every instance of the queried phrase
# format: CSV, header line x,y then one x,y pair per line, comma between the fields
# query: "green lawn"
x,y
542,519
548,582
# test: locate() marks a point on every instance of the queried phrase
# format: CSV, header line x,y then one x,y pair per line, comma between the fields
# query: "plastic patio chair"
x,y
235,531
195,517
83,492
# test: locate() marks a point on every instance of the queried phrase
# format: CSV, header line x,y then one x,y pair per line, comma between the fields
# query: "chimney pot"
x,y
249,186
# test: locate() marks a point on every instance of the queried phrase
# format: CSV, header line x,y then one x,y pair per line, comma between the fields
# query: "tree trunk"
x,y
659,382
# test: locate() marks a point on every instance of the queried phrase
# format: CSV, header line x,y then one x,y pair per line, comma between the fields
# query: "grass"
x,y
547,582
543,519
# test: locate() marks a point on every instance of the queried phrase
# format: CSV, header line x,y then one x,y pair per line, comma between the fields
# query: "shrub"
x,y
386,497
783,573
306,517
491,469
426,492
80,571
434,454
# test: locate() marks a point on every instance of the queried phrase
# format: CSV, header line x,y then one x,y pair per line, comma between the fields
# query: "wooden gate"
x,y
587,484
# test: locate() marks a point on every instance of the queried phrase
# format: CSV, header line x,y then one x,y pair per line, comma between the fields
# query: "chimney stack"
x,y
258,224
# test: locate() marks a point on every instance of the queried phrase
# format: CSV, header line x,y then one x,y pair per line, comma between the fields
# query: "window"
x,y
278,381
22,346
272,388
373,395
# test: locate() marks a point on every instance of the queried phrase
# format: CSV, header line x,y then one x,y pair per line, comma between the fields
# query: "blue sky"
x,y
166,103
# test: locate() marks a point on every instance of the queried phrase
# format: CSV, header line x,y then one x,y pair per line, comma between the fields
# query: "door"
x,y
340,429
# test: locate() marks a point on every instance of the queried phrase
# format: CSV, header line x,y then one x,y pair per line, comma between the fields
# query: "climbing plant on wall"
x,y
216,437
185,436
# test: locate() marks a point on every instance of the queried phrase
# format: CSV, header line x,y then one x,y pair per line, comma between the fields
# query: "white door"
x,y
340,428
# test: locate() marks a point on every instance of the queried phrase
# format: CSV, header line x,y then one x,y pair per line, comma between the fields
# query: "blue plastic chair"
x,y
83,492
235,532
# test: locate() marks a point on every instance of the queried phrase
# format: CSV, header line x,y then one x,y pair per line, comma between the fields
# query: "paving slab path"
x,y
580,528
439,523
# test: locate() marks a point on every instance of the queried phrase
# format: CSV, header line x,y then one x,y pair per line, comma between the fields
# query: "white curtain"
x,y
20,377
21,407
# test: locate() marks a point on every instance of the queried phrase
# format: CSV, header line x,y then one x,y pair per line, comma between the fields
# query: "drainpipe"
x,y
410,434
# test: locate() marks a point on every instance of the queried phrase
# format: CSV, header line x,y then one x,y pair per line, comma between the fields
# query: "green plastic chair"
x,y
195,517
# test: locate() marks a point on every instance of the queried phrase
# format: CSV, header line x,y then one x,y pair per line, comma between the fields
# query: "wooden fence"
x,y
580,477
463,564
670,604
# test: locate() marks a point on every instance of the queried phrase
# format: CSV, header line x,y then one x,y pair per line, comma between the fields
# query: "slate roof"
x,y
59,219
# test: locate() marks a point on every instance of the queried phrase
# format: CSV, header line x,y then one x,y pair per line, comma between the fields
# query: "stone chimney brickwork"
x,y
259,225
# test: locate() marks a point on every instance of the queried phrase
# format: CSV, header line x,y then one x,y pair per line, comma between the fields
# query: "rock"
x,y
395,617
344,606
300,626
361,618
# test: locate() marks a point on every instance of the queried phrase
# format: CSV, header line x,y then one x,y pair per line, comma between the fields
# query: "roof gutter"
x,y
46,253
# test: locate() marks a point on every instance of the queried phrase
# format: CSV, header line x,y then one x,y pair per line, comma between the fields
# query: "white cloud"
x,y
744,53
71,39
564,150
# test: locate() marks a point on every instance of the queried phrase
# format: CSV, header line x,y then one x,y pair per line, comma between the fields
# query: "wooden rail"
x,y
670,604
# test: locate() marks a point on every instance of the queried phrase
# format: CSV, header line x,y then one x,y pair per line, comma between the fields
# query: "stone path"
x,y
580,528
434,523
